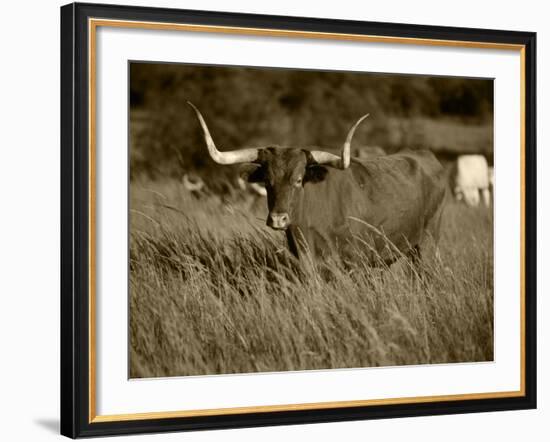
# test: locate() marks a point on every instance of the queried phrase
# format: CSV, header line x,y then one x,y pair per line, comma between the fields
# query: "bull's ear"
x,y
253,173
315,173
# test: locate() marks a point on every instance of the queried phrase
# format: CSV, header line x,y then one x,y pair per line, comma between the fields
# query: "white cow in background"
x,y
472,179
194,184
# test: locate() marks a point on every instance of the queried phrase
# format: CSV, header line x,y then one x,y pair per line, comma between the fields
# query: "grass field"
x,y
212,290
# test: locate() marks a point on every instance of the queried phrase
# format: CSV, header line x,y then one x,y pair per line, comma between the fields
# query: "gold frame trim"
x,y
93,24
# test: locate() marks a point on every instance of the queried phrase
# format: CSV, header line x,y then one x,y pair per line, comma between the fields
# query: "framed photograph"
x,y
275,220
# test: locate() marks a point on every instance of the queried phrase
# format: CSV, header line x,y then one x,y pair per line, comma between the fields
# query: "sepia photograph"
x,y
287,220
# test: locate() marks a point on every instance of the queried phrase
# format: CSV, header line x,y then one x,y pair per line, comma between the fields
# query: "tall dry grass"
x,y
212,290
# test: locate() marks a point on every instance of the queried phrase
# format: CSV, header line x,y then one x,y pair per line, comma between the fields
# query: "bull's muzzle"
x,y
278,221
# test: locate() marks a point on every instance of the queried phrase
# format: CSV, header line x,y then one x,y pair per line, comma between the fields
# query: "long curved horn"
x,y
342,161
231,157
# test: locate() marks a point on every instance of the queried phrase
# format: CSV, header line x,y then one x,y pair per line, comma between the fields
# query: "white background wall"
x,y
29,219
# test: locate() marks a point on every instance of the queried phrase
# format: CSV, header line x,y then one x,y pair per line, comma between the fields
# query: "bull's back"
x,y
396,194
405,191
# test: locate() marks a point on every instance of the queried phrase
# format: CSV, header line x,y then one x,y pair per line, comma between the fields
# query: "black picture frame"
x,y
75,220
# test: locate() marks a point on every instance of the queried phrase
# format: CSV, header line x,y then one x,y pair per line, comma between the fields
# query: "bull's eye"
x,y
298,182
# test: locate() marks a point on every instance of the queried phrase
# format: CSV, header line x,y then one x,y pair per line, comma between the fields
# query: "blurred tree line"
x,y
259,106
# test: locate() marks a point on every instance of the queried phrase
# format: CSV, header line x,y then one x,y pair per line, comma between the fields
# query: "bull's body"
x,y
382,206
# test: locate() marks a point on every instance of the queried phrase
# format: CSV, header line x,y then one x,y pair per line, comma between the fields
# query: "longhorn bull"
x,y
386,206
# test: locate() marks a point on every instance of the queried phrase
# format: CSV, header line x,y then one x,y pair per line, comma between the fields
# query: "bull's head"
x,y
283,171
